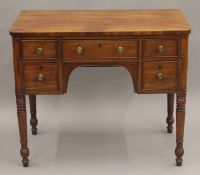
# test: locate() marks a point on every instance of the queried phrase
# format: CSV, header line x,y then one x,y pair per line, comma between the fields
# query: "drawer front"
x,y
99,48
39,49
160,76
41,77
160,48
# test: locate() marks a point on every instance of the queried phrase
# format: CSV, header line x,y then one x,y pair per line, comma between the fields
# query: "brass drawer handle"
x,y
40,77
160,76
79,50
120,49
161,49
39,51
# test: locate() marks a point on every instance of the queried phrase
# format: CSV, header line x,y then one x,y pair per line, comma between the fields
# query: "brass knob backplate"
x,y
40,77
160,76
161,49
120,49
79,50
39,51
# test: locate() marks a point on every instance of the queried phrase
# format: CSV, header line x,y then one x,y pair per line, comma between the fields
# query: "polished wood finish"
x,y
22,120
99,49
151,44
49,49
105,22
170,111
151,71
180,121
50,79
151,48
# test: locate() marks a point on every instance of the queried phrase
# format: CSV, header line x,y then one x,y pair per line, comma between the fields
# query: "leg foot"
x,y
169,130
34,120
170,110
25,162
179,151
34,131
179,162
180,120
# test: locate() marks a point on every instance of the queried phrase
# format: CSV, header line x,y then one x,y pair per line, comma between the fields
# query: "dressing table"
x,y
151,44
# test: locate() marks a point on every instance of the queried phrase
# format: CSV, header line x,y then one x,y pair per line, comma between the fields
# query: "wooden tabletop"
x,y
100,22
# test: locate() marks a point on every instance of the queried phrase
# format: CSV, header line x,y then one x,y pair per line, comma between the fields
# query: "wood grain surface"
x,y
100,48
97,22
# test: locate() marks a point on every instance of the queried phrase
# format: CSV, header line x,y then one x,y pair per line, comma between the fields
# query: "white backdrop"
x,y
100,126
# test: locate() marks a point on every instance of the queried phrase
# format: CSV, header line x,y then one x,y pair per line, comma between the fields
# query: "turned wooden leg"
x,y
33,120
170,110
180,120
22,121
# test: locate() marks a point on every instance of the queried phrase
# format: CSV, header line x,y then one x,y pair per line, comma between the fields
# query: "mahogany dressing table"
x,y
151,44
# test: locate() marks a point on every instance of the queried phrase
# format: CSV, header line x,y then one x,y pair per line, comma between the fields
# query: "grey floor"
x,y
100,128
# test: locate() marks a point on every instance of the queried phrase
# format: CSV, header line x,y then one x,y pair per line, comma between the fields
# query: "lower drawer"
x,y
159,76
41,77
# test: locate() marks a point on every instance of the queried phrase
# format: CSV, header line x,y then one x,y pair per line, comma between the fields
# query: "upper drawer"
x,y
99,48
39,49
160,48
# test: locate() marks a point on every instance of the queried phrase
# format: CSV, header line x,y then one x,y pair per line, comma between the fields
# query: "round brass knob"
x,y
161,49
40,77
39,51
120,49
79,50
160,76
